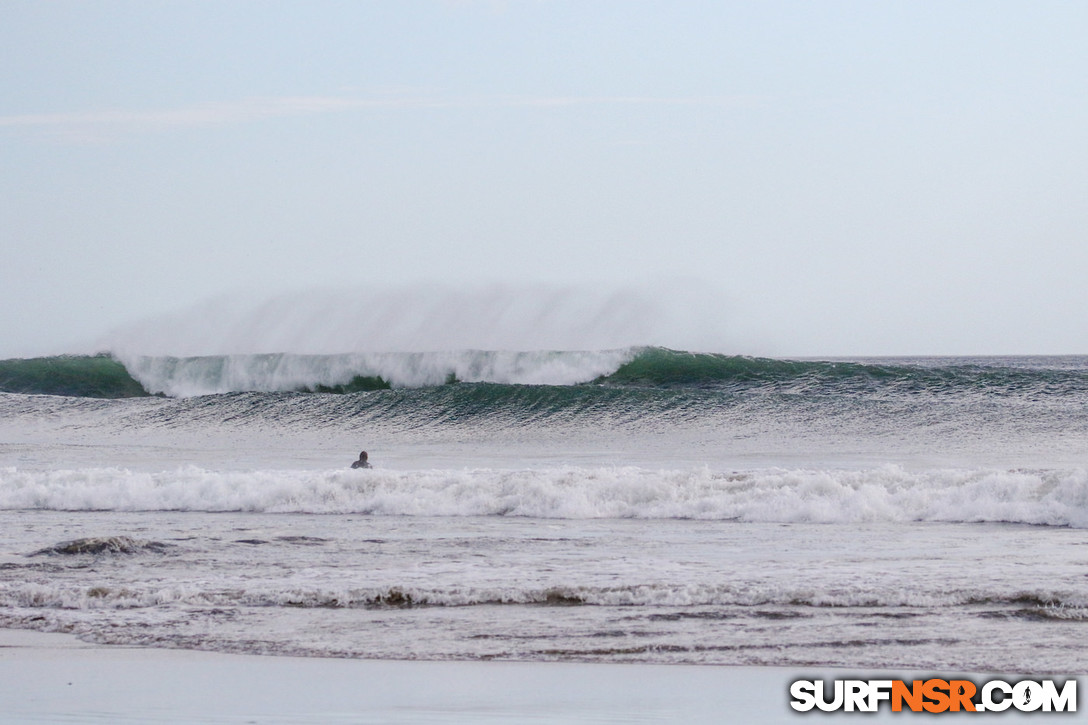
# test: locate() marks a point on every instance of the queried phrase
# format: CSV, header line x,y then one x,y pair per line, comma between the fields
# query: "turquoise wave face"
x,y
81,376
663,368
651,368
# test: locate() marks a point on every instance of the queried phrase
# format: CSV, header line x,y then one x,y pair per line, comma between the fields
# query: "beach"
x,y
57,678
466,361
677,543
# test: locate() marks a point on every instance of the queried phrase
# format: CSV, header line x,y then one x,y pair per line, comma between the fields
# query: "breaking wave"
x,y
81,376
106,376
356,372
1050,604
890,493
97,545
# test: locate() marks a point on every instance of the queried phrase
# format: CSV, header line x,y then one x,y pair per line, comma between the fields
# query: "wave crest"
x,y
184,377
124,375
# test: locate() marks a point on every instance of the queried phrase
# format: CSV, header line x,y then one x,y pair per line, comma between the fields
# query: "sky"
x,y
767,178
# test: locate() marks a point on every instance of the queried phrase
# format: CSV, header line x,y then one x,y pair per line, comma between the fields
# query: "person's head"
x,y
362,456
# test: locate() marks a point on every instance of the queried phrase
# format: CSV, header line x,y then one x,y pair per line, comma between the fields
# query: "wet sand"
x,y
57,678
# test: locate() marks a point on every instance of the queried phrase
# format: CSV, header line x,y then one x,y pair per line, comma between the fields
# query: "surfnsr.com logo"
x,y
934,695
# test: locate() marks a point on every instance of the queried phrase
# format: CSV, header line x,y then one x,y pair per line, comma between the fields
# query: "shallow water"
x,y
922,514
982,597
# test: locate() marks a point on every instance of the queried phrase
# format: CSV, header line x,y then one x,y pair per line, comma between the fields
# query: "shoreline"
x,y
57,677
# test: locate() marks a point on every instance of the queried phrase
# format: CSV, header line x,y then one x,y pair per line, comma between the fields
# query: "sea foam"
x,y
1046,602
208,375
890,493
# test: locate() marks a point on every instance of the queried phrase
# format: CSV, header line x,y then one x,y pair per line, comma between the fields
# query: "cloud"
x,y
92,124
246,110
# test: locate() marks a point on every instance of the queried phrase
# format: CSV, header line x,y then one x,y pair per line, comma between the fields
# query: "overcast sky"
x,y
783,178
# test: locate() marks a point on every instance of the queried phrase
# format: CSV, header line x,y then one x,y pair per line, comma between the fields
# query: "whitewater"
x,y
634,504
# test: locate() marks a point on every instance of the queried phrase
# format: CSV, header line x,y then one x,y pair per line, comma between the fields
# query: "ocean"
x,y
637,505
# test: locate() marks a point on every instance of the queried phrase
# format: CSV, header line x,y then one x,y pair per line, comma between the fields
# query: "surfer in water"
x,y
362,462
